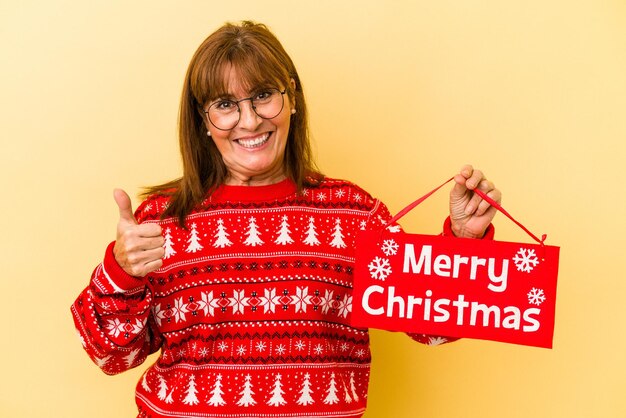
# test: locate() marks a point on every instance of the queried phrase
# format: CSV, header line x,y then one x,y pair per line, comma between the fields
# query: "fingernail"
x,y
469,209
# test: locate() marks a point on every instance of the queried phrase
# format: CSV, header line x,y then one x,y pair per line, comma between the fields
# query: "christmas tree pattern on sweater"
x,y
251,308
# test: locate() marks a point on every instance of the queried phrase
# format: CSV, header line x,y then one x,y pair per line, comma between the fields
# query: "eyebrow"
x,y
249,93
225,96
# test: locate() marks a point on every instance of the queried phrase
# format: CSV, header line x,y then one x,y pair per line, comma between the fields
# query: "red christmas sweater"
x,y
250,310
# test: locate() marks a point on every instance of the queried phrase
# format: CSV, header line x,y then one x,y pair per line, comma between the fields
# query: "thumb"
x,y
460,188
124,205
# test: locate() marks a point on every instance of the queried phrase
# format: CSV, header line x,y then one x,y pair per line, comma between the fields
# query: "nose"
x,y
248,119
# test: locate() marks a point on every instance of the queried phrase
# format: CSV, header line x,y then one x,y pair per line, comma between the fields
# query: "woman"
x,y
241,271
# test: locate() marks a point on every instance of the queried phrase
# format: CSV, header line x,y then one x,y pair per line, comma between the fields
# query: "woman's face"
x,y
253,151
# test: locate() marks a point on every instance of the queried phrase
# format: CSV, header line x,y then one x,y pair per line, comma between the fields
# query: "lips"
x,y
254,142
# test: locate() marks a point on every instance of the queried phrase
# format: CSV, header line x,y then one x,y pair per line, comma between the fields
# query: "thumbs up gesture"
x,y
138,248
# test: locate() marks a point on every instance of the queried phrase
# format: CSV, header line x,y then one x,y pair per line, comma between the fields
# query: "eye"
x,y
263,95
224,106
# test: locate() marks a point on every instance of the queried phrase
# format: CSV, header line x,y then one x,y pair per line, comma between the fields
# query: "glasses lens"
x,y
268,103
224,114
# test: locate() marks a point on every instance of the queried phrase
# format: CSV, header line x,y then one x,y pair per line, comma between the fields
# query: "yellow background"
x,y
401,94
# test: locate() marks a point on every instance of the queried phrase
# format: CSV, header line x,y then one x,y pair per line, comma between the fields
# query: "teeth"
x,y
253,142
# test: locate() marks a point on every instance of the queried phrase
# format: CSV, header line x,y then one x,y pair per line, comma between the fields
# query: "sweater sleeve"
x,y
113,318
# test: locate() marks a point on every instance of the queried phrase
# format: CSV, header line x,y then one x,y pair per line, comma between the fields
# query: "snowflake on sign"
x,y
390,247
379,268
525,260
536,296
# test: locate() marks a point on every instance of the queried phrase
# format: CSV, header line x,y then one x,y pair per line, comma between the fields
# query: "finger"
x,y
476,202
149,230
124,205
144,269
475,179
140,237
135,262
490,213
460,180
152,266
466,171
151,255
474,205
483,206
488,188
145,244
154,242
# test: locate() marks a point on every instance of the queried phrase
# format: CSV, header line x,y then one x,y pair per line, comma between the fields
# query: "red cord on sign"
x,y
417,202
479,193
508,215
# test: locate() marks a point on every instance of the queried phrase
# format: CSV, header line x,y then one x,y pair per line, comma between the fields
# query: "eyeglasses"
x,y
225,114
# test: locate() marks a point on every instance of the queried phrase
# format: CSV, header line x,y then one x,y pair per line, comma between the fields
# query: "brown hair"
x,y
260,59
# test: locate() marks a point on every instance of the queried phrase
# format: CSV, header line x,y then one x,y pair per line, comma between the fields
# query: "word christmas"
x,y
453,287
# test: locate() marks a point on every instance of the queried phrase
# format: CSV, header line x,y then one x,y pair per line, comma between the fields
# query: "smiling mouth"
x,y
251,143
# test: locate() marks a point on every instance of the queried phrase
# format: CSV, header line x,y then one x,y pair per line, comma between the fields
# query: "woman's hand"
x,y
470,215
138,248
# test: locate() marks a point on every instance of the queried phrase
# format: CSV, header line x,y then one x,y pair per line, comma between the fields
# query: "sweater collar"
x,y
269,192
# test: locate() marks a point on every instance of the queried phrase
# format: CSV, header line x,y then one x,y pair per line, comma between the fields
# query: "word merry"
x,y
439,310
444,266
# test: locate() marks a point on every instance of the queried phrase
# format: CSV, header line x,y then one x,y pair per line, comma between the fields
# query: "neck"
x,y
254,181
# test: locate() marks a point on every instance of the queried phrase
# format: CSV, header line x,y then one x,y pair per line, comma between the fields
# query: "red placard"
x,y
501,291
456,287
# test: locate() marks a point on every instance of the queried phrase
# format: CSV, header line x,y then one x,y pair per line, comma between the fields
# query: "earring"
x,y
293,111
208,133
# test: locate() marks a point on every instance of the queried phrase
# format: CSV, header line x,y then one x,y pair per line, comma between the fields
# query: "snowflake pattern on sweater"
x,y
250,310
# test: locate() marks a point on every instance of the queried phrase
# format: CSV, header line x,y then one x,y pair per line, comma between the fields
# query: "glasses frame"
x,y
251,98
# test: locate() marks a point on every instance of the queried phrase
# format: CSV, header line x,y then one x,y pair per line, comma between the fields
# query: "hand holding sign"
x,y
138,248
470,215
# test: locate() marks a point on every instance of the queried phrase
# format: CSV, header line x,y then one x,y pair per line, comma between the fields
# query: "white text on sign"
x,y
444,266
